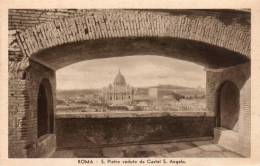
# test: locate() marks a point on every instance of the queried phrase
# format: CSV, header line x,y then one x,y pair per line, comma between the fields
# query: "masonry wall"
x,y
240,76
18,104
42,29
98,132
23,91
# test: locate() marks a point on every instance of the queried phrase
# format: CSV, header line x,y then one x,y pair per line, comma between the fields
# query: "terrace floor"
x,y
205,149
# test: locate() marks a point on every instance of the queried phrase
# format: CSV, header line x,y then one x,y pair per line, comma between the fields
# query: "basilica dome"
x,y
119,80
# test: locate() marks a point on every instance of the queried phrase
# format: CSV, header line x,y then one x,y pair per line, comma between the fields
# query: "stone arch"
x,y
45,112
118,24
197,52
228,106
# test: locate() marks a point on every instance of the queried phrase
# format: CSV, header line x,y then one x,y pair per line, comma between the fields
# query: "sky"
x,y
139,71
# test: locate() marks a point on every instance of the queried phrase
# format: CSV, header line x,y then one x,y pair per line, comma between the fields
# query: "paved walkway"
x,y
179,149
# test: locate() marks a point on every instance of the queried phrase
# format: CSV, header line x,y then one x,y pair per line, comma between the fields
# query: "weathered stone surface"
x,y
134,114
207,146
22,102
51,28
64,154
147,150
111,131
240,76
113,152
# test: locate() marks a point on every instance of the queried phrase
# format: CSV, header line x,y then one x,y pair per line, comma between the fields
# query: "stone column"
x,y
23,94
240,76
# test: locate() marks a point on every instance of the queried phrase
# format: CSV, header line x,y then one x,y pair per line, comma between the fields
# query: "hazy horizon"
x,y
132,86
139,71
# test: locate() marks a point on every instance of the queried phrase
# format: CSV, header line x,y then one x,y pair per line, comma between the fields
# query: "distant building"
x,y
118,93
174,92
153,92
159,92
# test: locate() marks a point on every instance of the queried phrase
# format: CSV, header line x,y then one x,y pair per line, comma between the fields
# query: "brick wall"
x,y
42,29
240,76
18,103
24,18
23,92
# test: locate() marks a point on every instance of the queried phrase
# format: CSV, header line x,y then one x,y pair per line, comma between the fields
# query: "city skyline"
x,y
139,71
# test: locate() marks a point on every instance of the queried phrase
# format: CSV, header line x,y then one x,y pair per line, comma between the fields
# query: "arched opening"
x,y
94,94
196,52
199,53
45,113
228,106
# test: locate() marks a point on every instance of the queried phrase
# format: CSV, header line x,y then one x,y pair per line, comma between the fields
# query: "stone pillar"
x,y
18,105
240,76
245,119
23,93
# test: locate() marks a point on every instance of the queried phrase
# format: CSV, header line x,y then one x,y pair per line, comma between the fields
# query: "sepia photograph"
x,y
129,83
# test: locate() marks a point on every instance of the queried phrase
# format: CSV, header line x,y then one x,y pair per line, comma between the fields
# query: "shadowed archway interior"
x,y
45,109
228,106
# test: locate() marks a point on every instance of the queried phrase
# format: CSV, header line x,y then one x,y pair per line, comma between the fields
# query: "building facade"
x,y
118,93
